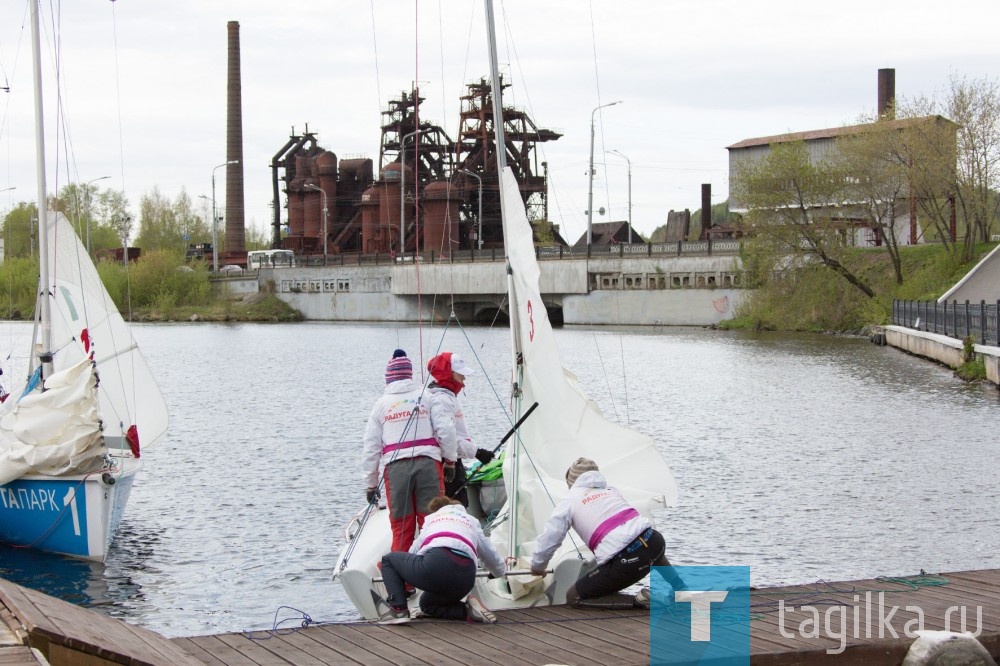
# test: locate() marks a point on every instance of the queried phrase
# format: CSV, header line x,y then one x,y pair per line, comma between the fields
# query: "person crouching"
x,y
623,542
442,563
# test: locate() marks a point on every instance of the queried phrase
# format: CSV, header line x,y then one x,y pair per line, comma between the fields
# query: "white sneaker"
x,y
475,611
392,616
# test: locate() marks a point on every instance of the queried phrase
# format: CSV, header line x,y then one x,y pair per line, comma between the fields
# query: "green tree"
x,y
19,231
794,213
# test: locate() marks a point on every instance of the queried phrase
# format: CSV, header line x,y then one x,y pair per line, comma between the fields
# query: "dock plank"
x,y
21,655
56,625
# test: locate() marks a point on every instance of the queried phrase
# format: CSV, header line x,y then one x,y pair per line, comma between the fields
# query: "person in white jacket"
x,y
399,439
442,563
449,371
623,542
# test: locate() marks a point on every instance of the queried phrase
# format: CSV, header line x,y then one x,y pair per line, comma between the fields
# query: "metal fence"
x,y
954,319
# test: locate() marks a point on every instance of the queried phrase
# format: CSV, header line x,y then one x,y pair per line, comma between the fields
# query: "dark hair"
x,y
439,502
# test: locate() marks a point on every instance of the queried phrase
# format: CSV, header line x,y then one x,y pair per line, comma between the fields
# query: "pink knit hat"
x,y
398,368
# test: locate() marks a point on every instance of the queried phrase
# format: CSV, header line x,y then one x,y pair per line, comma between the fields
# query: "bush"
x,y
19,279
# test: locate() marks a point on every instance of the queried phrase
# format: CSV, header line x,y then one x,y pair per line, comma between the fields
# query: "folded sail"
x,y
567,424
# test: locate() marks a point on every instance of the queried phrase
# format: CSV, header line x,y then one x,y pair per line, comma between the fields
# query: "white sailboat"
x,y
565,425
70,439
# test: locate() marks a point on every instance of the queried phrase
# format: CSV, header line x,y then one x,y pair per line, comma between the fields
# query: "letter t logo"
x,y
701,610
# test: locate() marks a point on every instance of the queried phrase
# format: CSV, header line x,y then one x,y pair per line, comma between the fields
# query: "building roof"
x,y
607,233
830,133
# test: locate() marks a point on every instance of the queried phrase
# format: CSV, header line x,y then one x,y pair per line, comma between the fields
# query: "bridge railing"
x,y
675,249
952,319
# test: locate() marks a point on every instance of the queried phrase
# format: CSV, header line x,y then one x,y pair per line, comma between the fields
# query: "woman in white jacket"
x,y
442,563
623,542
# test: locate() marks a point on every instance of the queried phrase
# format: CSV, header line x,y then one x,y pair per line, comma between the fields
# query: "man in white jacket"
x,y
442,563
623,542
399,439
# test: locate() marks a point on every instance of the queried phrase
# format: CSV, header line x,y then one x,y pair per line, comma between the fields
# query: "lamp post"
x,y
480,218
402,193
310,186
621,154
590,190
8,189
87,191
215,219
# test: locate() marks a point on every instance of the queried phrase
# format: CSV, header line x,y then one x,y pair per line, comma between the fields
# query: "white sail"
x,y
128,393
566,424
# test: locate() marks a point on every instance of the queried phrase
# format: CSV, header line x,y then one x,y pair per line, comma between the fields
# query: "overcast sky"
x,y
144,84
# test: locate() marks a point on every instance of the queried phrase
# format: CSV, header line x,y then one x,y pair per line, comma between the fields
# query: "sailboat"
x,y
565,425
70,438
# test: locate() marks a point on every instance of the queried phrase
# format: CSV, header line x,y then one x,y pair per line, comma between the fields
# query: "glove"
x,y
484,456
371,494
449,472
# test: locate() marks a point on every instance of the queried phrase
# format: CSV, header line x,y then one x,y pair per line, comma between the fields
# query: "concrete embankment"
x,y
941,348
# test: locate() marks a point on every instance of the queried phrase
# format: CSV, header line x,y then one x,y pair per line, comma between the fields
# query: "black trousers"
x,y
444,576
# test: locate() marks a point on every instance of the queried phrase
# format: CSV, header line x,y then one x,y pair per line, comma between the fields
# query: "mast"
x,y
45,317
513,307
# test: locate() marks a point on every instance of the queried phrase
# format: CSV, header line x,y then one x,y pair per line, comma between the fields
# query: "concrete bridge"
x,y
678,284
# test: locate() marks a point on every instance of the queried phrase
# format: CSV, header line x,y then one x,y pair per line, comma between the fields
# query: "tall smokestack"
x,y
887,93
706,210
236,246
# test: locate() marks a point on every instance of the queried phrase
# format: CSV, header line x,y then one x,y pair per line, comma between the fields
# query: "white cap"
x,y
459,365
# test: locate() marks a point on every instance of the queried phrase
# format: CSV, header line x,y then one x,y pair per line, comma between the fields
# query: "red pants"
x,y
409,485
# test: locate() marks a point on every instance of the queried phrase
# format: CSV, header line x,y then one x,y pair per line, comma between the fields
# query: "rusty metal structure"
x,y
475,153
306,165
428,193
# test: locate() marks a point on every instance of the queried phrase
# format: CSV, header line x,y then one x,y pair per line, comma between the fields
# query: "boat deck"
x,y
804,629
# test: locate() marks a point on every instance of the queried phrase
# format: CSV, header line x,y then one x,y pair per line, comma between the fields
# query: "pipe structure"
x,y
402,194
310,186
480,218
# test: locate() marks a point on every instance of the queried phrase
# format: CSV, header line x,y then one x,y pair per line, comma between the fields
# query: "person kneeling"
x,y
442,563
624,543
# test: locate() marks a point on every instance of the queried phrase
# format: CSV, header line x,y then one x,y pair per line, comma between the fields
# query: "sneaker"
x,y
409,590
394,616
475,611
643,598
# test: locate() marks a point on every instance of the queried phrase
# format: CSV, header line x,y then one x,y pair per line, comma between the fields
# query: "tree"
x,y
959,170
19,231
794,208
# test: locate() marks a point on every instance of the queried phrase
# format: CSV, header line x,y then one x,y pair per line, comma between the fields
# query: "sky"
x,y
144,85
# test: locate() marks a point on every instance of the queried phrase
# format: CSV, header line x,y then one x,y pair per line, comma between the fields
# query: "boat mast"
x,y
44,355
513,307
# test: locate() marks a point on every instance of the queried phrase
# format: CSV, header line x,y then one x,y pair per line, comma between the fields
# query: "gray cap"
x,y
579,466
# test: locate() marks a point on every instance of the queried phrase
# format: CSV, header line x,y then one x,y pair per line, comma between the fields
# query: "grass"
x,y
813,298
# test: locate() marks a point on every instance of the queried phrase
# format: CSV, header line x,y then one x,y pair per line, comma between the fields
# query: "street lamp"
x,y
87,191
621,154
480,218
215,219
310,186
8,189
590,191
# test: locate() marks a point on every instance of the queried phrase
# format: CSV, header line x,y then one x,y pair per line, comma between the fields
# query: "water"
x,y
804,457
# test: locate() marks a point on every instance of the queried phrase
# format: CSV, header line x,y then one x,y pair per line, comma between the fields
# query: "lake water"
x,y
804,457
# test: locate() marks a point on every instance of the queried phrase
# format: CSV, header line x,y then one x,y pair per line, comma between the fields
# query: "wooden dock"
x,y
790,625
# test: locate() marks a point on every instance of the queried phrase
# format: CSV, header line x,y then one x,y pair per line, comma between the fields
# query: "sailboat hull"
x,y
75,515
